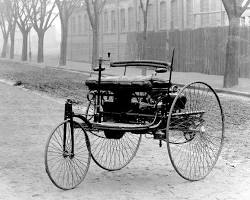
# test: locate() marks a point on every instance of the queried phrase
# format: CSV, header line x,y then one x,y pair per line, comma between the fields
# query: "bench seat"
x,y
137,83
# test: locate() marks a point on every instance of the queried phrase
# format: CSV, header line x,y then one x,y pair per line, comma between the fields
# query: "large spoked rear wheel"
x,y
195,131
67,168
113,154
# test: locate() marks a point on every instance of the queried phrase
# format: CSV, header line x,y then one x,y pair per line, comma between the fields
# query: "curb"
x,y
39,93
243,94
223,91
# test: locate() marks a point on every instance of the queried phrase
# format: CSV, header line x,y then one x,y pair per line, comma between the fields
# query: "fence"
x,y
156,46
200,50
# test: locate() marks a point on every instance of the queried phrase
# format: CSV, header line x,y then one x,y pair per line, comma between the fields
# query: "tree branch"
x,y
102,5
47,23
23,15
89,13
141,4
53,19
245,7
229,7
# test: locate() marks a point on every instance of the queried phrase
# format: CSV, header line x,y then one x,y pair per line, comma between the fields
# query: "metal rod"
x,y
72,131
148,115
99,90
171,67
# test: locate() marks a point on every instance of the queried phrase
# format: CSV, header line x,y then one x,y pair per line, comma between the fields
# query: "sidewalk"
x,y
181,78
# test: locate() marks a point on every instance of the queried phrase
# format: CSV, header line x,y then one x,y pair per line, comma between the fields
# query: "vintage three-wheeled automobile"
x,y
121,109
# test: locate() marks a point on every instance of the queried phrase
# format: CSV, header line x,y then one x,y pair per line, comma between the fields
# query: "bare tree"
x,y
5,28
23,8
144,8
41,16
65,8
10,21
94,10
234,9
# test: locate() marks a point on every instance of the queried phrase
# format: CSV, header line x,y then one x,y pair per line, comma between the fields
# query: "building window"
x,y
174,14
113,21
150,17
131,19
80,24
163,15
215,19
86,23
141,19
106,21
243,21
204,8
73,23
189,7
122,20
223,18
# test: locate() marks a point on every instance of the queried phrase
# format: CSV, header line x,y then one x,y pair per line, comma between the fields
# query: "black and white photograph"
x,y
124,99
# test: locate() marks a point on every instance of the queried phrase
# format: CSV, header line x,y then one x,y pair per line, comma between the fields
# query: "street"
x,y
27,118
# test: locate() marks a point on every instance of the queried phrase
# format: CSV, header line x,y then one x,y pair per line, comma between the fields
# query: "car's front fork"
x,y
68,115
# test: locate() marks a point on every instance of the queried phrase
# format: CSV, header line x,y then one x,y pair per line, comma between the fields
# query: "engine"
x,y
126,108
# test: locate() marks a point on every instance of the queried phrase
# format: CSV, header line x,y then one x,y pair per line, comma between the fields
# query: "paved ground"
x,y
28,118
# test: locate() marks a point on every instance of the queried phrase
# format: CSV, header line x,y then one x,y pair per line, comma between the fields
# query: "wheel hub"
x,y
193,130
67,154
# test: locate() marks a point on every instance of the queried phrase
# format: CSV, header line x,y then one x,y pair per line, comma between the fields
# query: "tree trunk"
x,y
232,53
95,48
4,48
63,45
144,40
40,56
12,43
25,45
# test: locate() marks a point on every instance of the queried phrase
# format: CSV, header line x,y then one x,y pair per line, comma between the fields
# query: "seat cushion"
x,y
137,83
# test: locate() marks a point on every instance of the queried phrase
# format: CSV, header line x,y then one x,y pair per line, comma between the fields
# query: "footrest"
x,y
120,126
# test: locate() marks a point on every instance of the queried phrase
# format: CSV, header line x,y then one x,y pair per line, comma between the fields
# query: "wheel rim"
x,y
64,169
195,141
113,154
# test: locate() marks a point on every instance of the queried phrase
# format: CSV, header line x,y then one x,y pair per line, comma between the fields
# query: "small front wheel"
x,y
67,155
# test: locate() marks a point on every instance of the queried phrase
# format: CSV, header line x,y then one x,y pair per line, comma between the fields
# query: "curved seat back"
x,y
141,63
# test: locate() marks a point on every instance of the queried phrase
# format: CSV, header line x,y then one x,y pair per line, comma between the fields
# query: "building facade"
x,y
121,17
